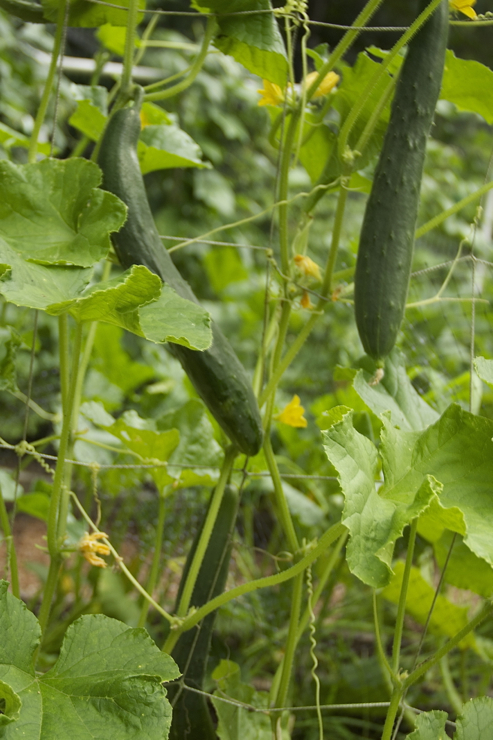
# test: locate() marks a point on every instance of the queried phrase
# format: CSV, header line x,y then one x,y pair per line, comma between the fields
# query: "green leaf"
x,y
253,39
10,138
172,318
476,720
7,486
10,705
105,683
394,393
164,146
447,618
197,446
115,363
35,504
113,38
484,369
430,726
469,85
88,119
89,15
53,213
236,723
374,522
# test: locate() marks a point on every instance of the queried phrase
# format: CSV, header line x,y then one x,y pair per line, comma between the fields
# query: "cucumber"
x,y
191,715
217,374
27,11
383,266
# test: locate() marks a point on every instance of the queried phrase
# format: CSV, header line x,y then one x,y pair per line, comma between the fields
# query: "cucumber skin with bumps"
x,y
191,716
216,373
383,266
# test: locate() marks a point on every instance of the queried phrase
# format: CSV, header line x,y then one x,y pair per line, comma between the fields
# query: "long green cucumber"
x,y
383,266
191,716
217,374
27,11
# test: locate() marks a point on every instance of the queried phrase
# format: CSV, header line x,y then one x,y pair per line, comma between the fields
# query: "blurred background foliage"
x,y
220,112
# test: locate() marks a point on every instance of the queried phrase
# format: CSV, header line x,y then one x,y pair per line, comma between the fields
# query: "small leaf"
x,y
430,726
164,146
484,369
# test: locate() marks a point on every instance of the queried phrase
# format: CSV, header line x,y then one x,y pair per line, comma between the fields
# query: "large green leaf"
x,y
455,453
106,683
476,720
52,212
469,85
252,38
374,522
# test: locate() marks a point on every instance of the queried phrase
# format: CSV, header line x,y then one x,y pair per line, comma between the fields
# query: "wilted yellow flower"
x,y
464,6
292,414
90,547
305,300
328,83
307,266
271,94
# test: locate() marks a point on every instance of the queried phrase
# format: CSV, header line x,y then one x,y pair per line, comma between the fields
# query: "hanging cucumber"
x,y
191,716
217,374
383,266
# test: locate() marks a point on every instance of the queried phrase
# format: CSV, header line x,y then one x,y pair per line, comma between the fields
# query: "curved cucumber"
x,y
26,10
191,716
217,374
383,266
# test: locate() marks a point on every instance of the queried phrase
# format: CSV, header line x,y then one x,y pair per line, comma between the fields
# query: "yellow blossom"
x,y
271,94
292,414
305,300
328,83
464,6
144,119
90,548
307,267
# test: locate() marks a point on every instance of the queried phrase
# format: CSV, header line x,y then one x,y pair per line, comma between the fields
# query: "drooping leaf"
x,y
469,85
252,38
464,568
394,393
53,212
172,318
110,358
374,522
107,681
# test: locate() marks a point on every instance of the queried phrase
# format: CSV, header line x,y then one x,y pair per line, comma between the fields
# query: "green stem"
x,y
281,367
287,151
45,98
64,357
11,553
441,217
291,642
401,609
128,55
210,30
395,701
378,639
207,528
156,560
282,507
382,69
62,479
448,682
327,539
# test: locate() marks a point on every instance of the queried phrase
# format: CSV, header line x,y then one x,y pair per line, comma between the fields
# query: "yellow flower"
x,y
328,83
464,6
144,119
307,267
305,301
292,414
90,548
271,94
